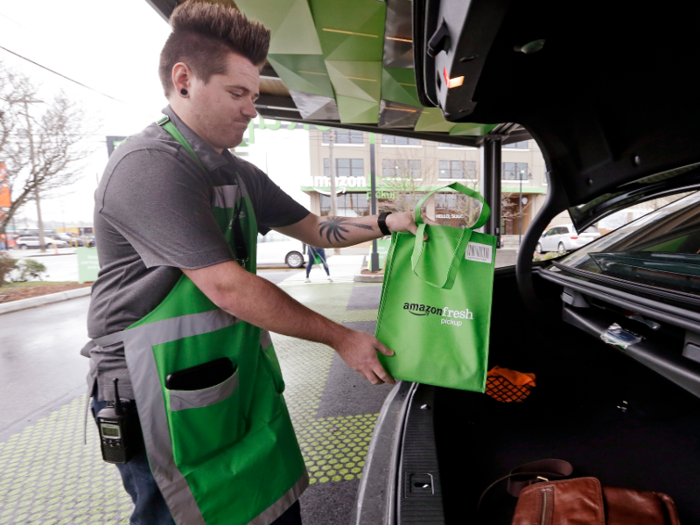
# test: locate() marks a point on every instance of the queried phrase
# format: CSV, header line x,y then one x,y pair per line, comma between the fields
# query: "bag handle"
x,y
453,265
530,473
419,246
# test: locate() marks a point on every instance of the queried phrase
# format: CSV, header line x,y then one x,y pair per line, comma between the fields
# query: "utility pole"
x,y
40,224
520,208
374,265
492,186
331,166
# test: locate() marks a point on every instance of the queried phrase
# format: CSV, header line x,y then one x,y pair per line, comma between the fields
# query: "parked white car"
x,y
24,243
565,238
275,248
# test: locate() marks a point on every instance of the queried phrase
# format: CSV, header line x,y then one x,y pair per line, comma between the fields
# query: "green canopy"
x,y
349,64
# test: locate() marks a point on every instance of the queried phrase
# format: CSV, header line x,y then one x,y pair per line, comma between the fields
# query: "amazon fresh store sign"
x,y
323,184
342,184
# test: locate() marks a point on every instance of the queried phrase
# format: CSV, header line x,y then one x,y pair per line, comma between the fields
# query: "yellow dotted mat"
x,y
48,476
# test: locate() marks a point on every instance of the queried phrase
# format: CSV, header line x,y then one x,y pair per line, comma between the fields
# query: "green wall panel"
x,y
356,79
290,23
432,120
357,111
305,73
399,85
335,48
474,130
350,29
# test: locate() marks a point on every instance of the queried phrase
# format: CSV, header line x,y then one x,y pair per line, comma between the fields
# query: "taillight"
x,y
574,238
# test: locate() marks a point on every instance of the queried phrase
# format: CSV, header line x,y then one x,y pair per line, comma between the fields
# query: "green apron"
x,y
226,454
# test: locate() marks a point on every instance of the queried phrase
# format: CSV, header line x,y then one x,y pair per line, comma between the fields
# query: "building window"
x,y
398,200
348,204
514,171
345,167
457,169
401,168
446,202
400,141
344,136
517,145
447,145
455,209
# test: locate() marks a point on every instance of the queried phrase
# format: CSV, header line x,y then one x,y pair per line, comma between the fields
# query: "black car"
x,y
612,330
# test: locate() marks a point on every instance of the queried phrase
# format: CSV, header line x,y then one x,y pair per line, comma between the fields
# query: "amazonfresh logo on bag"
x,y
422,309
449,316
453,316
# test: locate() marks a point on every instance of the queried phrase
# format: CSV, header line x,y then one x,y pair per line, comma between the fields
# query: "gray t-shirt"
x,y
153,216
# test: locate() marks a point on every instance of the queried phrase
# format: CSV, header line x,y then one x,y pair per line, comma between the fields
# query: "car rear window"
x,y
661,248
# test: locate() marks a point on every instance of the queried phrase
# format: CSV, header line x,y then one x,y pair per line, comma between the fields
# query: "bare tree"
x,y
467,207
404,186
407,189
40,143
509,205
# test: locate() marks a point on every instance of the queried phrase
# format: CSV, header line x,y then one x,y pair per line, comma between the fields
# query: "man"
x,y
176,219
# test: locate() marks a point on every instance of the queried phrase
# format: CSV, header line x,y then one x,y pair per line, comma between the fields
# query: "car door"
x,y
563,237
558,237
546,240
552,239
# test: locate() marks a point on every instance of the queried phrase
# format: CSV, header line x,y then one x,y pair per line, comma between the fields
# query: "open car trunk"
x,y
608,415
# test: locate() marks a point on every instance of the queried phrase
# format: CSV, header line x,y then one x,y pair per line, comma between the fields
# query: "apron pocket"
x,y
205,421
184,399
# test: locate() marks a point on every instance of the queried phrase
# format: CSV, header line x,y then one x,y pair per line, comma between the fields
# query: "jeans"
x,y
149,505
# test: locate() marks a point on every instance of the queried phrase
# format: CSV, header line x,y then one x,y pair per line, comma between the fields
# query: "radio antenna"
x,y
117,401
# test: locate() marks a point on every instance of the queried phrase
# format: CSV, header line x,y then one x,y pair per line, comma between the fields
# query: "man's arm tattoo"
x,y
336,226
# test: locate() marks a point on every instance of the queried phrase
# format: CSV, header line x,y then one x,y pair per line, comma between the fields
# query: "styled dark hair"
x,y
204,34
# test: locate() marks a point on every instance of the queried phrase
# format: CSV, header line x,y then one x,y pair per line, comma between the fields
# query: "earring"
x,y
183,92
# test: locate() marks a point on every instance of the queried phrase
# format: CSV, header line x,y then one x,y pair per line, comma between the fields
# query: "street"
x,y
46,473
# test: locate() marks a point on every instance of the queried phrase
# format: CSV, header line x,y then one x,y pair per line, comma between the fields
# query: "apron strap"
x,y
239,240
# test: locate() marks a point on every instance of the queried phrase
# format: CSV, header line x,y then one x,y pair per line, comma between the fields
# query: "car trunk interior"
x,y
608,415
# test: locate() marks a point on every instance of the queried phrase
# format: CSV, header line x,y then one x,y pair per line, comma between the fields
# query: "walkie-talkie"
x,y
115,435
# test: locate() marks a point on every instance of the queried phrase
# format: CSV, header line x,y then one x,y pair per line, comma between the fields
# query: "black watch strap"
x,y
381,222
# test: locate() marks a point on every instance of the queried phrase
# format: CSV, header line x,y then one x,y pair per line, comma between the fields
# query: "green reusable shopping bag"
x,y
435,309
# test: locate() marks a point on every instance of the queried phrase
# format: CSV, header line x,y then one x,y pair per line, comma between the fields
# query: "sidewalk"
x,y
23,254
343,269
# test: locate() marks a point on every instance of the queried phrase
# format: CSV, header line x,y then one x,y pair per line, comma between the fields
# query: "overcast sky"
x,y
112,47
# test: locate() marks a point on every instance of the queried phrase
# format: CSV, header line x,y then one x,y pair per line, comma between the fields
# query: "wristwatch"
x,y
381,222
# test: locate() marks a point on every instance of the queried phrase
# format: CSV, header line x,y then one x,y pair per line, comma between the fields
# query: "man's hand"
x,y
359,351
405,221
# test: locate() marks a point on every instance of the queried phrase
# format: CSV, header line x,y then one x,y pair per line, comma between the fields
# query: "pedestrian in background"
x,y
316,256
